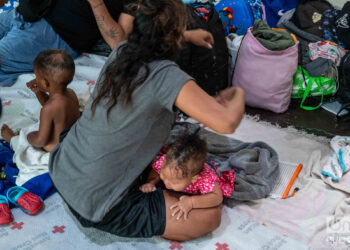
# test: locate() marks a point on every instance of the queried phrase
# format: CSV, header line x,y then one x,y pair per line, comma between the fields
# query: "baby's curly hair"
x,y
187,153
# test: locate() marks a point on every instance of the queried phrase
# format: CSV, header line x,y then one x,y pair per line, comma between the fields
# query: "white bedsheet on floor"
x,y
289,224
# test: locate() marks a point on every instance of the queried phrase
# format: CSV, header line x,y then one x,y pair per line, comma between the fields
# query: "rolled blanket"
x,y
255,164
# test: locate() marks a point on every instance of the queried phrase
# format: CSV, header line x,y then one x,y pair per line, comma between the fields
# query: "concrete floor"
x,y
318,122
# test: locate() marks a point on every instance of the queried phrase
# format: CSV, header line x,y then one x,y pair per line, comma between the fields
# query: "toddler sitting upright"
x,y
54,70
182,167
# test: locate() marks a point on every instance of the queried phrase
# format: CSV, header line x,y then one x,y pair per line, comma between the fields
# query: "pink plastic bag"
x,y
265,75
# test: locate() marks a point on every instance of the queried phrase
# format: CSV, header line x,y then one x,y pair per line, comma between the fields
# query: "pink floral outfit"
x,y
206,180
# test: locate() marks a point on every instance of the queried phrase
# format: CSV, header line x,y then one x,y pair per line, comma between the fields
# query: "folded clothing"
x,y
341,146
339,161
327,50
272,39
30,161
332,168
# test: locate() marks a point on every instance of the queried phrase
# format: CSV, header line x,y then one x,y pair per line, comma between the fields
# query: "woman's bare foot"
x,y
7,133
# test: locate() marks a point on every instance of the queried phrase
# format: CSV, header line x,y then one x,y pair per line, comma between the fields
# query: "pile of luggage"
x,y
274,49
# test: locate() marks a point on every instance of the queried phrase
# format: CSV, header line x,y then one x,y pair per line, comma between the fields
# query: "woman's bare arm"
x,y
112,32
186,203
223,114
211,199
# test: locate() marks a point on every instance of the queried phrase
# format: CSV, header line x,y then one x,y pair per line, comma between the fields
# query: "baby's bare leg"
x,y
7,133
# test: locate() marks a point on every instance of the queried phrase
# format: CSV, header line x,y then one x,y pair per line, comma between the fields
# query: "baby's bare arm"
x,y
186,203
152,180
212,199
40,138
153,177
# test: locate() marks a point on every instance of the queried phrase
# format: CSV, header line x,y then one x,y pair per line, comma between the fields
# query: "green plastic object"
x,y
305,85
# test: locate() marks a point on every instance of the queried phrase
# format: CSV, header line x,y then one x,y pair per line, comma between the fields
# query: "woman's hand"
x,y
222,114
199,37
226,95
182,207
148,188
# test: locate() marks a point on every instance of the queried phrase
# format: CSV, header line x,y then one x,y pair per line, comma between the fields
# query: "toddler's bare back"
x,y
64,109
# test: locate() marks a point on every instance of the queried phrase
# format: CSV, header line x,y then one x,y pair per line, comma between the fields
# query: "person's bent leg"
x,y
7,133
147,214
24,41
200,221
6,22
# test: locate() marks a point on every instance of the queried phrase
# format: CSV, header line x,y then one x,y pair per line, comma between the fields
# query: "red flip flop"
x,y
5,212
21,197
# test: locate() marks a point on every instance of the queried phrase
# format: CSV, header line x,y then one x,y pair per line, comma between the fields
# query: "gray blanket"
x,y
255,164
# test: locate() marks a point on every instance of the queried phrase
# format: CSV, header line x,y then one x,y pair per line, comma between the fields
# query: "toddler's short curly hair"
x,y
56,65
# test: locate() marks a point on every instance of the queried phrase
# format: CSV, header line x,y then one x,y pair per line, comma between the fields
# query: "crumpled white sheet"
x,y
30,161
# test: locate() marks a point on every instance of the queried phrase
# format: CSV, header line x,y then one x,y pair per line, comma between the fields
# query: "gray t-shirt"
x,y
101,156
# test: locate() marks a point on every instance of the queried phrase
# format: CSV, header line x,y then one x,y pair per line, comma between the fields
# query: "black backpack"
x,y
343,94
33,10
209,67
308,15
343,25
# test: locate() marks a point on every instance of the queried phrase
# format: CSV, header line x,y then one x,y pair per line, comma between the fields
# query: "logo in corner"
x,y
343,22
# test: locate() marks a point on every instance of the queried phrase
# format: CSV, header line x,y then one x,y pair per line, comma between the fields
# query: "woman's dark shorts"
x,y
136,215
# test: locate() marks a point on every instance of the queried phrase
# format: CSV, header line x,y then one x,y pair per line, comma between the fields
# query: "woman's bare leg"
x,y
200,221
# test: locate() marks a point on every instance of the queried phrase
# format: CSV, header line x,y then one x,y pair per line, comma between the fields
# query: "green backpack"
x,y
305,85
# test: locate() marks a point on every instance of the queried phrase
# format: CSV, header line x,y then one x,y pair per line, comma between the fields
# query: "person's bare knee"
x,y
179,238
209,224
199,223
215,221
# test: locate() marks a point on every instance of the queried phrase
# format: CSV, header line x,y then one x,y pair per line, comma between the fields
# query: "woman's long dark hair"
x,y
157,31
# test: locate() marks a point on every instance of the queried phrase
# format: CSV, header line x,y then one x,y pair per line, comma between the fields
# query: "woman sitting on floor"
x,y
97,167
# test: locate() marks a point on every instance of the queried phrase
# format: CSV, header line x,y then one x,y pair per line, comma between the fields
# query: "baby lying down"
x,y
182,167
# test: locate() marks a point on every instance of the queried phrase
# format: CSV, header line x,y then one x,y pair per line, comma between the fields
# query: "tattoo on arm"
x,y
112,32
100,21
